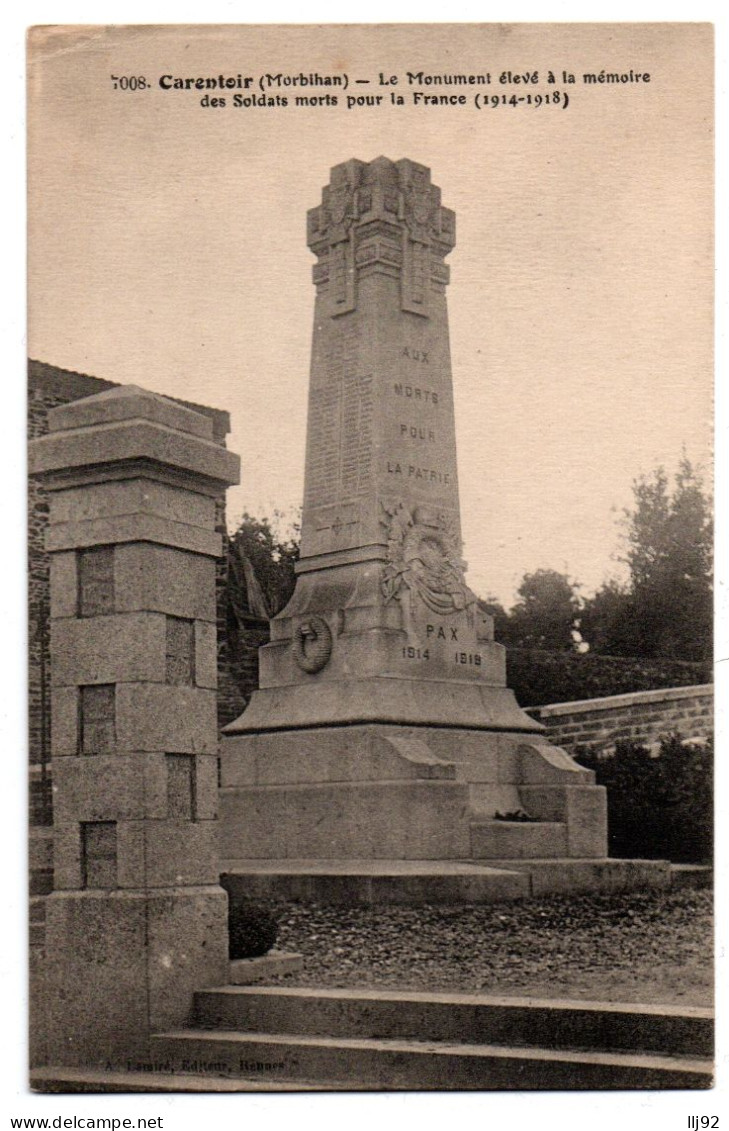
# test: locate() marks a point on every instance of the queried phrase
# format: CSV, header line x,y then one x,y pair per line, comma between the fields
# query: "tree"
x,y
666,611
545,614
607,621
674,592
263,554
495,609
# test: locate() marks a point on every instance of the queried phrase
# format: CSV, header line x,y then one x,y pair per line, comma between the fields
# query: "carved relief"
x,y
339,203
339,211
312,644
424,562
418,210
381,216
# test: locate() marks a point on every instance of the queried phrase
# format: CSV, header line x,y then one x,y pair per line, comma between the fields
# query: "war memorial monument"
x,y
383,727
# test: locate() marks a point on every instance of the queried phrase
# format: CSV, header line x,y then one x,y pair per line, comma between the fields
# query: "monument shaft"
x,y
381,427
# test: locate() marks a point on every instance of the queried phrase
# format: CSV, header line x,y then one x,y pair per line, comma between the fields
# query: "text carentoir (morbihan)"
x,y
487,89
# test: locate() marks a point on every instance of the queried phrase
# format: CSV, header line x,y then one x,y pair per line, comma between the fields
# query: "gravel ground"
x,y
649,947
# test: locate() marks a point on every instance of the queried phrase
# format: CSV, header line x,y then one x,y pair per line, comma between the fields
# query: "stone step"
x,y
461,1018
519,840
77,1080
411,882
570,875
422,1065
693,876
366,882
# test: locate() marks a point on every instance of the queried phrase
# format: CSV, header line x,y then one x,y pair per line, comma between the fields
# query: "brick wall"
x,y
49,386
238,669
643,716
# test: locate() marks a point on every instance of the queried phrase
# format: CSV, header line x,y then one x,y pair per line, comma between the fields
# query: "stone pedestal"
x,y
383,726
137,920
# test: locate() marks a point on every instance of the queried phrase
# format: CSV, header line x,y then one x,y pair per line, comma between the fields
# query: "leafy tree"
x,y
666,609
262,557
501,618
607,621
545,614
669,557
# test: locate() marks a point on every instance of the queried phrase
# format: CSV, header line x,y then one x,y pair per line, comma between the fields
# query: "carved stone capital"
x,y
383,217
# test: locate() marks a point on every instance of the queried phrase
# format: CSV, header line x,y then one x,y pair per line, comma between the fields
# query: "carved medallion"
x,y
424,560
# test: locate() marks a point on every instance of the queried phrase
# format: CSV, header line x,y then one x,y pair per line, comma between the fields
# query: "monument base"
x,y
409,702
399,792
367,883
125,964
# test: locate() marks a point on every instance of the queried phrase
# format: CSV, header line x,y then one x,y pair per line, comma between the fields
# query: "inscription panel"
x,y
322,468
340,437
340,464
418,459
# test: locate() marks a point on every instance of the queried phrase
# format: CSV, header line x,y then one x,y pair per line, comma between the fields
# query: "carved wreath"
x,y
312,644
423,558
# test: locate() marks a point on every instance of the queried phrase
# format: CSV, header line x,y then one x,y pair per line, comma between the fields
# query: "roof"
x,y
72,386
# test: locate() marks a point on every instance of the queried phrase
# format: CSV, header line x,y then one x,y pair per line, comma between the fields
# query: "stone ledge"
x,y
128,402
367,882
253,971
610,702
695,876
133,528
393,700
124,441
69,1081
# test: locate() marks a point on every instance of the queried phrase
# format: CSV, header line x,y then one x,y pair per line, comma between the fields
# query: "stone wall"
x,y
49,386
238,667
643,716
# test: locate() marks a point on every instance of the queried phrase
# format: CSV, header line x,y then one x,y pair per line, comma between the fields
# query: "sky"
x,y
167,248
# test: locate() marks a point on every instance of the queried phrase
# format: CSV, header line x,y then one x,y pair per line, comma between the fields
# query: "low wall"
x,y
642,716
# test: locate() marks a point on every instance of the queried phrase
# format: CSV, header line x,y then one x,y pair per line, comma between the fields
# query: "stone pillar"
x,y
382,614
137,920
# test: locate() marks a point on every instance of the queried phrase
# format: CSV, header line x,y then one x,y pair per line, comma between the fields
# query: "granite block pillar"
x,y
137,920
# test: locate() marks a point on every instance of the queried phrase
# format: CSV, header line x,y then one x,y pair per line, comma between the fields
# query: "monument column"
x,y
137,920
383,724
382,614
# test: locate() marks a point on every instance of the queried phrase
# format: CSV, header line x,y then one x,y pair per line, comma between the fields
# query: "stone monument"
x,y
137,920
383,727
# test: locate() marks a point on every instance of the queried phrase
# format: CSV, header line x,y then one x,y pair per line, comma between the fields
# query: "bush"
x,y
659,807
252,929
538,677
